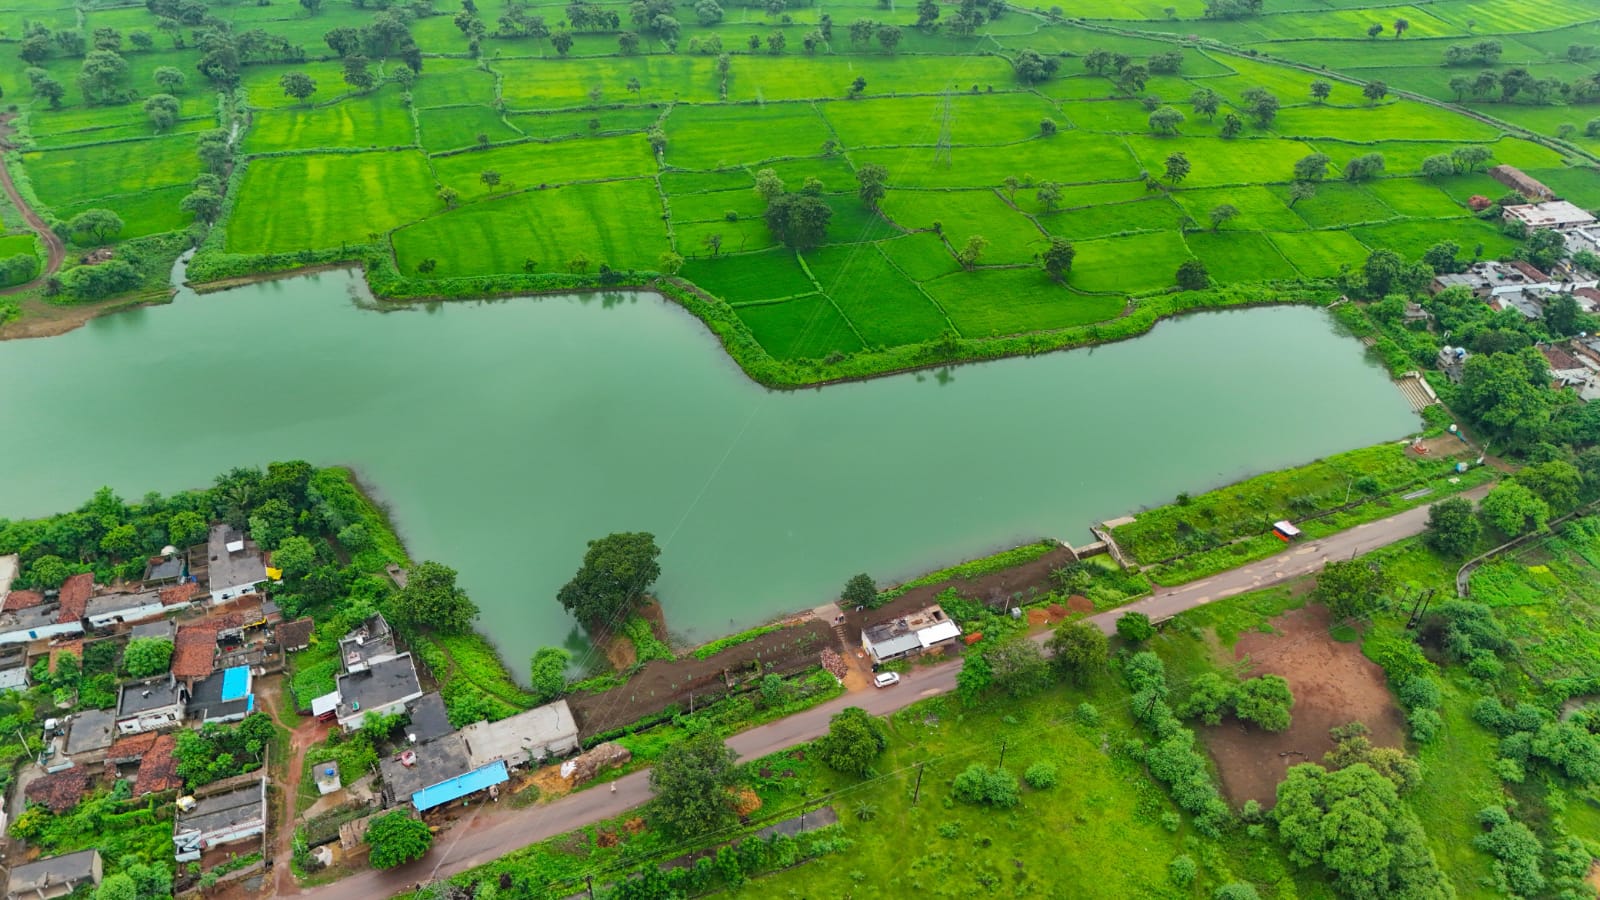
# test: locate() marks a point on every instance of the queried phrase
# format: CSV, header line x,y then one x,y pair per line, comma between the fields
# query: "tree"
x,y
691,781
356,73
1166,119
1177,166
1048,195
48,572
1047,127
1320,90
449,196
295,556
204,205
431,599
799,220
1192,275
548,672
117,887
1262,105
396,839
872,183
768,185
1400,26
1313,167
1557,482
1364,167
161,110
490,178
1382,271
97,225
628,43
1453,529
1374,91
1265,701
170,80
1507,394
1018,667
889,37
311,6
561,39
1231,126
1375,29
146,657
186,529
1132,79
298,85
975,676
617,570
1135,627
985,786
1438,166
1205,102
969,254
1057,257
1514,510
859,592
1032,67
1301,190
854,740
102,75
1351,588
1222,213
708,12
1078,650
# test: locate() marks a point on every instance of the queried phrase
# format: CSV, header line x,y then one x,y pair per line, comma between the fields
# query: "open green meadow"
x,y
530,154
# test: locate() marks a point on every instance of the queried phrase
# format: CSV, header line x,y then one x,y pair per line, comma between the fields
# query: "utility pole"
x,y
916,792
589,880
1002,755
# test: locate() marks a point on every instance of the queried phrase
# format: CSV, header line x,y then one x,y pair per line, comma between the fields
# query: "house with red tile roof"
x,y
74,598
194,652
22,600
158,769
59,791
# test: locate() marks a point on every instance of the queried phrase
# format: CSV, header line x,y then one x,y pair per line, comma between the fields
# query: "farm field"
x,y
547,158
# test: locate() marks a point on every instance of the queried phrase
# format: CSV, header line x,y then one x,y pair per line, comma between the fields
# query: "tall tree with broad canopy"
x,y
1078,650
1351,587
431,599
396,839
1453,528
691,782
617,570
853,741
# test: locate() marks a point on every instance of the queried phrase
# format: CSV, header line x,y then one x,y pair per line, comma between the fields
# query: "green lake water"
x,y
505,434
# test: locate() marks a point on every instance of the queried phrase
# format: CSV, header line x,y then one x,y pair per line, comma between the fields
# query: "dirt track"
x,y
54,249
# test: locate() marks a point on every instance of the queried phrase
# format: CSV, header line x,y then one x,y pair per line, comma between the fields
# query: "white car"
x,y
886,679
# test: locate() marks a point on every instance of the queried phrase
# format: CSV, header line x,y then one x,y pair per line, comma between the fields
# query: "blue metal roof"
x,y
235,683
460,786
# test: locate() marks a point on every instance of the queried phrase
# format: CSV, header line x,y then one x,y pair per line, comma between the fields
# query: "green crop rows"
x,y
520,156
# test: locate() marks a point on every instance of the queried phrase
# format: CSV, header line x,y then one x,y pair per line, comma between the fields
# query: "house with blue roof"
x,y
433,773
224,696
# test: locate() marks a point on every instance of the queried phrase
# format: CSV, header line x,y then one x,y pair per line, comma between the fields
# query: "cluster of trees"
x,y
397,838
800,218
1518,85
1233,9
1130,77
217,751
387,35
1173,758
1481,53
1265,700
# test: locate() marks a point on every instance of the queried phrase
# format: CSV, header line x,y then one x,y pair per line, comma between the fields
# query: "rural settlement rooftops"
x,y
74,598
22,600
235,564
158,768
918,630
530,736
428,718
219,819
425,764
54,876
59,791
157,693
89,731
195,650
1556,214
296,634
384,684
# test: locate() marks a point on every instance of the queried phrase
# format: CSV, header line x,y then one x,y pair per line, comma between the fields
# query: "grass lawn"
x,y
340,198
712,137
65,177
1013,301
921,256
754,276
1012,237
551,227
1127,264
1319,254
1155,213
376,120
529,165
806,327
454,127
1235,256
886,309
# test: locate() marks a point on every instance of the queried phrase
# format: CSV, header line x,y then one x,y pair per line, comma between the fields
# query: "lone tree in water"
x,y
617,570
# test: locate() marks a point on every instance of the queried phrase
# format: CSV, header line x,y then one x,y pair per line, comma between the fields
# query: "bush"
x,y
147,656
1425,725
1236,891
985,786
1135,627
1517,852
1040,776
1087,715
1182,871
397,839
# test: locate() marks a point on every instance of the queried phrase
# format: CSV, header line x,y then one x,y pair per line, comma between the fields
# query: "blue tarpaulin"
x,y
460,786
235,683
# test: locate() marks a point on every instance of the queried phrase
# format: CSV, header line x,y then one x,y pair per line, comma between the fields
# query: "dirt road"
x,y
485,838
54,249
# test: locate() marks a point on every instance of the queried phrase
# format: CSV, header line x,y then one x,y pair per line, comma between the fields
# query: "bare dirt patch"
x,y
1333,685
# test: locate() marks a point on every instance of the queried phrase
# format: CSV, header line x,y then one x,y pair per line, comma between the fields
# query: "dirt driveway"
x,y
1333,685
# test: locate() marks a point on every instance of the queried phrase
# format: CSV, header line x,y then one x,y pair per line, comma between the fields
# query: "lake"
x,y
505,434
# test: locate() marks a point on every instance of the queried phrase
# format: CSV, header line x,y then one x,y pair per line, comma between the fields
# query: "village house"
x,y
150,706
382,688
234,566
166,569
54,876
1555,215
27,617
161,629
292,637
913,633
220,819
429,718
433,773
1521,182
194,651
1491,278
367,645
1452,362
223,696
108,610
527,738
59,791
89,735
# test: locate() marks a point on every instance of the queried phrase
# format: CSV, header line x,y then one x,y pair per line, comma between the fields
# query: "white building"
x,y
107,610
221,819
383,688
529,737
914,633
1555,215
235,564
154,705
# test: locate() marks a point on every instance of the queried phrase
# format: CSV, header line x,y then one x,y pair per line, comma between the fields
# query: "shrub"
x,y
1087,715
1171,821
1135,627
1517,852
1182,871
147,656
983,785
397,839
1425,725
1040,776
1236,891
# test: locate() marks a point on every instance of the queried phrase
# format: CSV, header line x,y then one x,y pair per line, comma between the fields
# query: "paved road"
x,y
484,838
